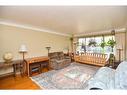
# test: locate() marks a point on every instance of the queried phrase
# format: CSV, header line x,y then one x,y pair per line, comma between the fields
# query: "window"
x,y
84,45
82,42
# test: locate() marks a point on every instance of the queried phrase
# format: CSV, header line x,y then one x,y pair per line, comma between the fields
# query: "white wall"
x,y
12,37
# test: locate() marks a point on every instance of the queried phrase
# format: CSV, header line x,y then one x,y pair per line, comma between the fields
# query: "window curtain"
x,y
75,44
120,43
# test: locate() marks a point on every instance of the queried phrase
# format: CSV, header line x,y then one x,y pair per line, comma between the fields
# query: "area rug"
x,y
75,76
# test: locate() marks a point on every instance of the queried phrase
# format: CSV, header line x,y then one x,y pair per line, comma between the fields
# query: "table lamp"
x,y
23,50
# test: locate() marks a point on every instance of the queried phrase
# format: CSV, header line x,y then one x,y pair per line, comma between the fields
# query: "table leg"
x,y
14,69
21,69
28,68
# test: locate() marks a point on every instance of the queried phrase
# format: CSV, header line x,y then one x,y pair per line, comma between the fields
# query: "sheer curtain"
x,y
120,43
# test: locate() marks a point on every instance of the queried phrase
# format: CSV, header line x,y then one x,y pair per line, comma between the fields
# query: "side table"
x,y
36,63
16,64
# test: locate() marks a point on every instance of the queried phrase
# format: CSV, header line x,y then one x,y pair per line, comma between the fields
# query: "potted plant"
x,y
92,42
103,44
111,43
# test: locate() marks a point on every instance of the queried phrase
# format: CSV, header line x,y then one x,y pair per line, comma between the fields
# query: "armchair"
x,y
107,78
58,60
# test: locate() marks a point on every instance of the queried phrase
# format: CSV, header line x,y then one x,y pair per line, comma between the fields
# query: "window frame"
x,y
94,37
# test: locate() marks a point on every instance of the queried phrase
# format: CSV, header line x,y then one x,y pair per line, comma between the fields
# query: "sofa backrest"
x,y
53,55
56,55
60,55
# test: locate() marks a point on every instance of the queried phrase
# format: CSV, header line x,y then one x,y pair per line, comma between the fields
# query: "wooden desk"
x,y
13,64
36,61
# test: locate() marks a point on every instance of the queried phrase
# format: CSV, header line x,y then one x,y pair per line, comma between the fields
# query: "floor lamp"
x,y
48,48
23,50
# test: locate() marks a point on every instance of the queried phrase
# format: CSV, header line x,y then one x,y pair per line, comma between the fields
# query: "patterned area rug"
x,y
75,76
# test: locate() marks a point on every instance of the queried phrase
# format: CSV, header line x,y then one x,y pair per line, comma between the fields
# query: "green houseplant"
x,y
111,43
103,44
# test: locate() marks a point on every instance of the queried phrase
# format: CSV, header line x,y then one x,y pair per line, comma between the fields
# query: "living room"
x,y
63,47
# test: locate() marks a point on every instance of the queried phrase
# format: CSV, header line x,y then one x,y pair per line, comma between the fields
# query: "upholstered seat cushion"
x,y
60,61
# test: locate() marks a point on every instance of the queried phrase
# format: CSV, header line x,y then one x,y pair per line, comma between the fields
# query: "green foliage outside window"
x,y
92,42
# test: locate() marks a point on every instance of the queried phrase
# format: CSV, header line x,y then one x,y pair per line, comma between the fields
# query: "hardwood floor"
x,y
18,82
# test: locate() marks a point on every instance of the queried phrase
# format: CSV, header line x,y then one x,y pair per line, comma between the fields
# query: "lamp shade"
x,y
23,48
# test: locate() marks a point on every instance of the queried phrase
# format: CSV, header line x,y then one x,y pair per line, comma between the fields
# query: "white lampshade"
x,y
23,48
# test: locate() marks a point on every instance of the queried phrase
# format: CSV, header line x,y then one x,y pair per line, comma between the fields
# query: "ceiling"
x,y
67,19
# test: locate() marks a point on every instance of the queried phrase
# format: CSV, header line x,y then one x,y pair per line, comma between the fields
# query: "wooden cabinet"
x,y
36,63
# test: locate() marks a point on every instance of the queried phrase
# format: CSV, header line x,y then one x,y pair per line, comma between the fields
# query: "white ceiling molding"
x,y
2,22
101,32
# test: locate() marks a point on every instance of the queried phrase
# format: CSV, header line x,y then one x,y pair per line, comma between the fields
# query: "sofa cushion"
x,y
60,61
60,55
